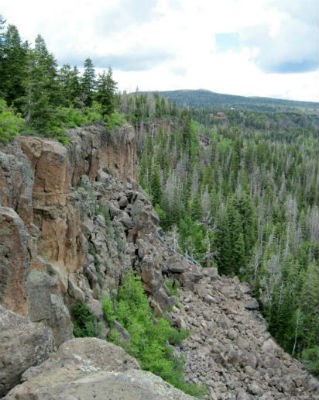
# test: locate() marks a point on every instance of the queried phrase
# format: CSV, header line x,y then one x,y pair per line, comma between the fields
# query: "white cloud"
x,y
290,43
170,44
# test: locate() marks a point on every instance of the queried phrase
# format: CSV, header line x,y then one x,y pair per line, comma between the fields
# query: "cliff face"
x,y
72,220
48,207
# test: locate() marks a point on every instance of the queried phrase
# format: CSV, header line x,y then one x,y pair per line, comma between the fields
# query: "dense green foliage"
x,y
151,338
48,98
84,323
240,191
10,123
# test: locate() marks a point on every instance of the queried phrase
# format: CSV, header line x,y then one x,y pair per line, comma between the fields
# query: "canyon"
x,y
73,220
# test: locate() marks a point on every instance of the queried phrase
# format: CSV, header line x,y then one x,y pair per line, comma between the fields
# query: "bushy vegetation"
x,y
10,123
310,357
84,322
151,338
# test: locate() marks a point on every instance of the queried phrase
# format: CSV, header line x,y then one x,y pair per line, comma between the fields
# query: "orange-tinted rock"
x,y
37,181
14,264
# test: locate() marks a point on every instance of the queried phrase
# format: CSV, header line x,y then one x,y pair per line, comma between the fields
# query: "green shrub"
x,y
310,357
70,117
115,119
108,310
84,322
151,338
93,113
10,123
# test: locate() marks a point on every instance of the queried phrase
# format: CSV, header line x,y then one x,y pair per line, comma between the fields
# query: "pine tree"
x,y
2,45
12,66
105,93
224,246
88,83
186,129
309,305
196,210
69,86
235,226
41,88
155,186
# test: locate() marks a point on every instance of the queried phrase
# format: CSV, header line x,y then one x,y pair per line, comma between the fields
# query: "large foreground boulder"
x,y
22,345
88,369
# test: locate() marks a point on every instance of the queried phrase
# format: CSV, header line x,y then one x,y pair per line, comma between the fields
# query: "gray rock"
x,y
242,395
46,304
74,291
22,345
123,202
126,220
14,260
124,336
254,389
252,305
91,368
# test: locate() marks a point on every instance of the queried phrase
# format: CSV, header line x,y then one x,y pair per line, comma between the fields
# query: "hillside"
x,y
149,251
207,99
72,225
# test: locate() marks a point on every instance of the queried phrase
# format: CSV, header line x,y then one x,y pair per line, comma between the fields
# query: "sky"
x,y
267,48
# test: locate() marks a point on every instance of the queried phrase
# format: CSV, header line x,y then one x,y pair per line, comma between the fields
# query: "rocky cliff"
x,y
72,220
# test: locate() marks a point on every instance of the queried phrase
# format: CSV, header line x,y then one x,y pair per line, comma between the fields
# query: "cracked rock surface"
x,y
229,348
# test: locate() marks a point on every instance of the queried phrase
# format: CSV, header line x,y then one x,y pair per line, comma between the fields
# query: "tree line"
x,y
39,97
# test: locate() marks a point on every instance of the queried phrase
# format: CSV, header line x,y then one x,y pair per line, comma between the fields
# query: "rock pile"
x,y
229,348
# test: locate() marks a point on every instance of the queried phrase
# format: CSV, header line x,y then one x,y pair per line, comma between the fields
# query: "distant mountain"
x,y
206,99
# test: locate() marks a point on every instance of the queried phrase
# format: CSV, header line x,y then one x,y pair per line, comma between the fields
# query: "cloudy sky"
x,y
247,47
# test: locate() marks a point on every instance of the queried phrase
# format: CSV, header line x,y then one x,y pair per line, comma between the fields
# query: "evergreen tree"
x,y
88,83
186,129
155,186
10,123
41,88
196,208
309,306
12,66
2,44
69,86
105,93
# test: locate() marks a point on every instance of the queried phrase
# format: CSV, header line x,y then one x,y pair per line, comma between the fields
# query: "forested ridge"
x,y
240,191
204,99
236,190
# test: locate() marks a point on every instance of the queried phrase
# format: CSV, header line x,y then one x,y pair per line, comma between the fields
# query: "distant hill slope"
x,y
206,99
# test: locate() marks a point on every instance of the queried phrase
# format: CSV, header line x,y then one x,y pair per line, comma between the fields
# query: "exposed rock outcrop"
x,y
92,368
15,261
46,210
69,227
22,345
230,349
